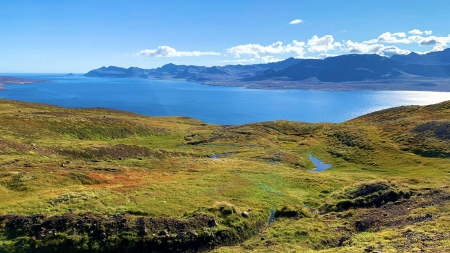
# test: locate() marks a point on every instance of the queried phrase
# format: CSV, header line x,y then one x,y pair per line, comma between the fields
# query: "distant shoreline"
x,y
420,84
4,80
423,84
432,84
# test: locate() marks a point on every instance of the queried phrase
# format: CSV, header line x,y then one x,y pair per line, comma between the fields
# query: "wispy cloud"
x,y
269,58
380,49
387,37
264,59
322,44
415,32
416,37
296,22
323,56
255,50
419,32
239,61
430,40
166,51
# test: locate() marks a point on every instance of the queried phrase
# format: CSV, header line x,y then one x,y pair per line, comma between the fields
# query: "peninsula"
x,y
14,80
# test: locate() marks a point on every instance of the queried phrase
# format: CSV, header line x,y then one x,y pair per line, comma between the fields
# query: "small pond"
x,y
320,166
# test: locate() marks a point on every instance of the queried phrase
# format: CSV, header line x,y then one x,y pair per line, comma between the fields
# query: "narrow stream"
x,y
320,166
272,216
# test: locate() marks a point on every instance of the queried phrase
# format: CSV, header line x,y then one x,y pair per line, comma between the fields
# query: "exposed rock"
x,y
164,233
342,240
213,223
73,231
369,248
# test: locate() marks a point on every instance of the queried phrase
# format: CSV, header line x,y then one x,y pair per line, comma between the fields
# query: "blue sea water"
x,y
211,104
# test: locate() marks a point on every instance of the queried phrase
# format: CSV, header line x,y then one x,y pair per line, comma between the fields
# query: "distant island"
x,y
70,74
15,80
421,72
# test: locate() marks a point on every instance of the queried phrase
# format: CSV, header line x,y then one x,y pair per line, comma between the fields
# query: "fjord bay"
x,y
211,104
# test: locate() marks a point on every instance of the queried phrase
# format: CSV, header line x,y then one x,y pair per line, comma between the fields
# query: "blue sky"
x,y
59,36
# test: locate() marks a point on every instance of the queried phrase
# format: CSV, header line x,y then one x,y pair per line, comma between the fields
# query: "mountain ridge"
x,y
352,71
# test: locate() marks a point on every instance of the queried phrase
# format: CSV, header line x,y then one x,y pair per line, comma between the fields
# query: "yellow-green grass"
x,y
55,160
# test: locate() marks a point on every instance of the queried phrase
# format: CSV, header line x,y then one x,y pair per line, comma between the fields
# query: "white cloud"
x,y
400,34
388,37
322,44
430,40
263,59
416,37
239,61
296,21
436,48
380,49
416,32
324,55
295,47
269,58
419,32
256,49
166,51
317,47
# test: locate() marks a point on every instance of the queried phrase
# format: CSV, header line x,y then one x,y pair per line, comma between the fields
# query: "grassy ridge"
x,y
386,189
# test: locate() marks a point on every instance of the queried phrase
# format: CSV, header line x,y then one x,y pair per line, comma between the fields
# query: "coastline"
x,y
436,85
422,84
401,84
4,80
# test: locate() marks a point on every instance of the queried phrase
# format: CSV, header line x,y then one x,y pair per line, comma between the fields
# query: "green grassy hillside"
x,y
98,180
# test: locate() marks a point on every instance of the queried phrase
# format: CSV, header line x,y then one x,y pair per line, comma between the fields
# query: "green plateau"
x,y
100,180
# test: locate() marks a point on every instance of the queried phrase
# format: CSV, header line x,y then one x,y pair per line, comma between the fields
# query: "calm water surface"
x,y
217,105
320,166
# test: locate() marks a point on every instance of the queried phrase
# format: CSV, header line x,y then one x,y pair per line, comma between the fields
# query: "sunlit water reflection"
x,y
217,105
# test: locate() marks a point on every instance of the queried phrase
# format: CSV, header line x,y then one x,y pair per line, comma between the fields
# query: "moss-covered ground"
x,y
101,180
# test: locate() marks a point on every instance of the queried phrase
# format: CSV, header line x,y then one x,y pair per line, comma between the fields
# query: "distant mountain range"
x,y
353,67
192,73
354,71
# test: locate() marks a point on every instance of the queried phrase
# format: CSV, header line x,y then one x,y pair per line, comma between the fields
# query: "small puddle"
x,y
320,166
221,155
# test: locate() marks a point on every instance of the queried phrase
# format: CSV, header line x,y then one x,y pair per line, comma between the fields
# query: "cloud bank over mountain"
x,y
317,47
166,51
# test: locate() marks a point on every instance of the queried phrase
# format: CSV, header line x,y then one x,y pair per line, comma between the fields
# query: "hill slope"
x,y
101,180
